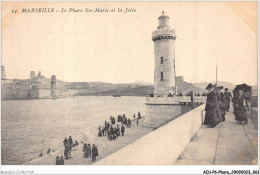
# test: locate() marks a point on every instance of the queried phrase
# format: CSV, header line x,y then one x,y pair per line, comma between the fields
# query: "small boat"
x,y
116,95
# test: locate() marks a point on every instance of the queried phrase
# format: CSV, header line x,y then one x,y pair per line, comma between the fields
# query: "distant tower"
x,y
32,74
53,84
164,51
39,74
3,75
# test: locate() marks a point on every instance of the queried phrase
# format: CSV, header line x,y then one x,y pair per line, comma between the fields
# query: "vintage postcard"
x,y
129,83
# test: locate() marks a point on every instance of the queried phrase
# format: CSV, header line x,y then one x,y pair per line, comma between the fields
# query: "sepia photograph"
x,y
129,83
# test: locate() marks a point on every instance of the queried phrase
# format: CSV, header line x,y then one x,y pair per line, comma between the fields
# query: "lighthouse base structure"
x,y
160,114
161,110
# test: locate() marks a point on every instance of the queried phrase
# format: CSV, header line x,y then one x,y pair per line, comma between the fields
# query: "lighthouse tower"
x,y
164,52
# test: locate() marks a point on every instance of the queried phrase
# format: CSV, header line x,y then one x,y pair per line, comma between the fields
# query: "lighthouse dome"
x,y
163,20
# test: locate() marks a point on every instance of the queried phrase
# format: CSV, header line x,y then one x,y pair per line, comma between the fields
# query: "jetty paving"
x,y
230,144
105,148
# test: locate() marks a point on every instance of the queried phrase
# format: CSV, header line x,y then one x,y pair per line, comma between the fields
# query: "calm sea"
x,y
27,124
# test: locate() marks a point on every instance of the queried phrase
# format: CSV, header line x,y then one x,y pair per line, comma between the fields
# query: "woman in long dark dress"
x,y
212,116
241,108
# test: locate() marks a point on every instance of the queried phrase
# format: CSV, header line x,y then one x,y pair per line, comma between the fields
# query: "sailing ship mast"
x,y
175,74
216,70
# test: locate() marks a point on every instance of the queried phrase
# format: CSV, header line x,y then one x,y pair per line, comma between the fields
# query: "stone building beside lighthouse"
x,y
164,52
3,74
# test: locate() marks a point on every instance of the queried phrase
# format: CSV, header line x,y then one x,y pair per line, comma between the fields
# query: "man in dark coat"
x,y
70,142
85,147
65,141
212,113
118,130
57,160
66,150
227,99
123,130
61,160
139,115
94,153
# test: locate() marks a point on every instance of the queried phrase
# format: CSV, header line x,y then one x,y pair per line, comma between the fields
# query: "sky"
x,y
117,47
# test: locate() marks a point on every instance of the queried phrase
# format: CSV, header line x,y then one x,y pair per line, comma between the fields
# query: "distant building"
x,y
20,91
3,74
32,74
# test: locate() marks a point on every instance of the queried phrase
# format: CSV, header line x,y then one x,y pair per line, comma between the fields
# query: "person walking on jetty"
x,y
70,142
118,130
49,151
99,131
85,147
65,141
57,160
107,125
89,150
61,160
66,150
242,94
221,104
103,131
113,120
122,130
94,152
139,115
128,123
212,116
227,99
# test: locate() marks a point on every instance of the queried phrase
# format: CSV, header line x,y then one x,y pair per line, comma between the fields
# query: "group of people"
x,y
59,160
217,104
88,151
124,120
114,133
111,132
68,144
112,120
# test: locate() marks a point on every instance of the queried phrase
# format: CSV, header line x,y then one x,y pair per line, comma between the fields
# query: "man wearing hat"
x,y
227,99
211,117
94,152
